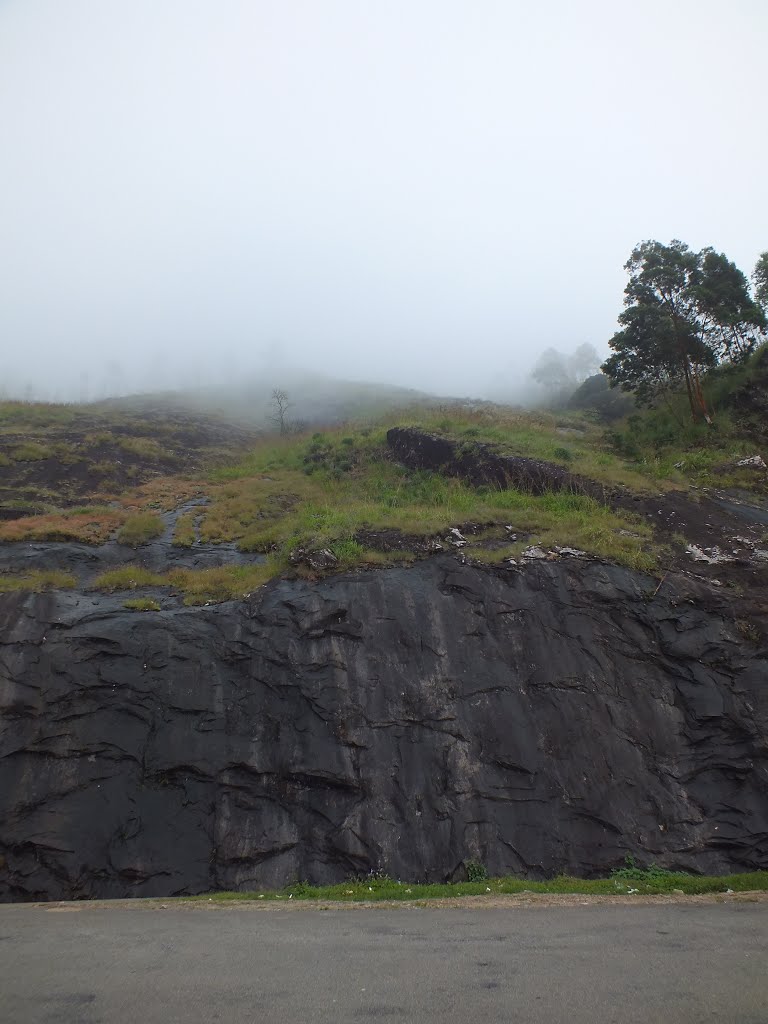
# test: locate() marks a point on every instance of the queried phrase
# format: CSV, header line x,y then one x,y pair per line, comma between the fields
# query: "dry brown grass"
x,y
86,528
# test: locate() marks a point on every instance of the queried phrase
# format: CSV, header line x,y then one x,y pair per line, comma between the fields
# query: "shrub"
x,y
476,872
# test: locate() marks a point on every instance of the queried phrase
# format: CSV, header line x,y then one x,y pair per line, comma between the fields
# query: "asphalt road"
x,y
590,964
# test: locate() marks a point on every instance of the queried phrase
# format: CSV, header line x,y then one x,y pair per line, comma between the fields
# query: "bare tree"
x,y
280,407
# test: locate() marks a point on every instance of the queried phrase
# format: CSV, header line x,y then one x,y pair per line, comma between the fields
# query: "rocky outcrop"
x,y
540,719
481,464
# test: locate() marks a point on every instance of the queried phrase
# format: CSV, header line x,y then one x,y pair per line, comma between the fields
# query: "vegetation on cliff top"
x,y
340,490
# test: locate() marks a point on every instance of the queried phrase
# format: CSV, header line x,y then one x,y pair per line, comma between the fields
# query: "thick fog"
x,y
419,192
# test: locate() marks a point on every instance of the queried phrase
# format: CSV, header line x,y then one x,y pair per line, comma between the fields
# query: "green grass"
x,y
665,445
223,583
17,415
142,604
143,448
140,528
184,534
30,451
320,492
650,881
37,580
128,577
197,586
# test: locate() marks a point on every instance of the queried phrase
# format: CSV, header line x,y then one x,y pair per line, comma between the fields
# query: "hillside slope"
x,y
448,634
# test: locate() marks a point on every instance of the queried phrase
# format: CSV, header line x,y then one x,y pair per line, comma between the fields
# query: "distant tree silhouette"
x,y
280,406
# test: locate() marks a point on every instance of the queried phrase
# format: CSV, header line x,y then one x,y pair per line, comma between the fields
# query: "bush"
x,y
476,872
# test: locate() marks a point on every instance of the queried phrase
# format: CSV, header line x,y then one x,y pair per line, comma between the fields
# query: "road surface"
x,y
62,964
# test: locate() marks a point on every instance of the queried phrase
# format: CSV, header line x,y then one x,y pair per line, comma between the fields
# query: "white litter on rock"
x,y
713,556
534,553
753,462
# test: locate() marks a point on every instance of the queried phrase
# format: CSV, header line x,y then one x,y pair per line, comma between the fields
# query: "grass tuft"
x,y
37,580
30,451
184,534
142,604
128,577
223,583
140,528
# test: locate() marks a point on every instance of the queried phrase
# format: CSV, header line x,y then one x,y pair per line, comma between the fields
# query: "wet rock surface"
x,y
548,718
87,561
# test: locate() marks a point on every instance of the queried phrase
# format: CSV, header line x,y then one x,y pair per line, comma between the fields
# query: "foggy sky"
x,y
423,192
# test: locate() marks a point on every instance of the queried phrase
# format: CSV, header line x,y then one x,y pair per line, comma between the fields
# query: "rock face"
x,y
481,464
543,719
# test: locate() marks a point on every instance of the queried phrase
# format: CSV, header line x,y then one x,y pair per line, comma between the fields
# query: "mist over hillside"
x,y
429,199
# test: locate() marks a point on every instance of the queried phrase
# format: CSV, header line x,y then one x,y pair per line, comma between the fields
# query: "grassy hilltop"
x,y
92,474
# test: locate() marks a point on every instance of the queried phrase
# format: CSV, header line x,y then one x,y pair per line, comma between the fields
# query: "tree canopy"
x,y
559,372
760,281
684,312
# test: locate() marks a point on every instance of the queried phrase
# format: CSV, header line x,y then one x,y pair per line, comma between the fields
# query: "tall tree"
x,y
280,406
684,312
661,344
551,370
654,354
731,320
760,281
583,362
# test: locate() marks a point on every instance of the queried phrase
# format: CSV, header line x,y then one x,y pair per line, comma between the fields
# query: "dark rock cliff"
x,y
544,719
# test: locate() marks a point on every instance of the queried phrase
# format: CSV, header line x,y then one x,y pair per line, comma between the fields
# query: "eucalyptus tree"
x,y
760,281
684,312
731,319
